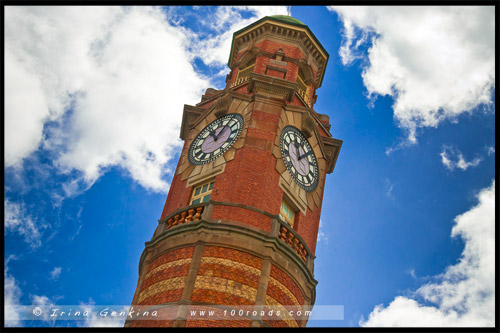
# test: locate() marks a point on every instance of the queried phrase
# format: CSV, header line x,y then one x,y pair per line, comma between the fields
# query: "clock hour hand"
x,y
212,134
306,154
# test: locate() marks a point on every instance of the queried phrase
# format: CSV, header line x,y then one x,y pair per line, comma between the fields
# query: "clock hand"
x,y
217,136
297,145
212,134
306,154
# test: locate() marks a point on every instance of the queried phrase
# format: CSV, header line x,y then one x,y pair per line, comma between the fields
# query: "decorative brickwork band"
x,y
165,278
198,264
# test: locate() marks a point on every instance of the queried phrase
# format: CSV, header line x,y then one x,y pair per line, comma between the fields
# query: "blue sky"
x,y
93,104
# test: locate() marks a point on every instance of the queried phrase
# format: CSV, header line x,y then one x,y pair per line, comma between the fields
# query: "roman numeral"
x,y
308,177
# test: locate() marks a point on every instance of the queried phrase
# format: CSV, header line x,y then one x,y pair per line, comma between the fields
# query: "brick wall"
x,y
178,195
218,323
165,278
250,179
227,276
243,215
283,291
307,225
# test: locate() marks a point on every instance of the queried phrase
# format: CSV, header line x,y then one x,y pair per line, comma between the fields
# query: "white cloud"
x,y
55,273
96,320
45,304
12,296
25,109
436,62
322,236
119,75
111,80
389,186
464,295
452,158
215,51
18,219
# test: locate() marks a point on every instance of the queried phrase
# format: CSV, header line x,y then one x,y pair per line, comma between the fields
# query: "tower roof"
x,y
287,19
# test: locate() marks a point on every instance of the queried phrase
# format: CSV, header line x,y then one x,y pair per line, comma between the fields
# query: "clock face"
x,y
215,139
299,158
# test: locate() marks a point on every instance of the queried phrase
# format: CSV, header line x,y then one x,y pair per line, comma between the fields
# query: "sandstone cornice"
x,y
271,86
332,150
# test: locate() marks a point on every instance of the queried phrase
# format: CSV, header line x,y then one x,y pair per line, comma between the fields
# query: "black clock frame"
x,y
288,162
197,157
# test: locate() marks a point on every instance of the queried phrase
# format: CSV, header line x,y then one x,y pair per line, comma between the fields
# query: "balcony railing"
x,y
305,96
303,91
243,75
184,216
280,229
290,238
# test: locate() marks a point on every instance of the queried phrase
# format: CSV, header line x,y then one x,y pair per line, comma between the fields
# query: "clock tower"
x,y
238,231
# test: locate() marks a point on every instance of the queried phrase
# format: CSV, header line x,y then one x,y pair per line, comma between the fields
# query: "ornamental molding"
x,y
332,150
269,85
309,125
189,116
221,105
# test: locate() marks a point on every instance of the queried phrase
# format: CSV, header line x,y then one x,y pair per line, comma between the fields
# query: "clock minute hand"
x,y
296,144
297,147
220,132
306,154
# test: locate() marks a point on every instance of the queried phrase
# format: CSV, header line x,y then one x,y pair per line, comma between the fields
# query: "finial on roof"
x,y
289,9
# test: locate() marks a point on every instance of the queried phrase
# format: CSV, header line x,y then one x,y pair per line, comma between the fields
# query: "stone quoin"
x,y
240,222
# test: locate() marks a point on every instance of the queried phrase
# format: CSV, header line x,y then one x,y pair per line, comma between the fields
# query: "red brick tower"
x,y
240,222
